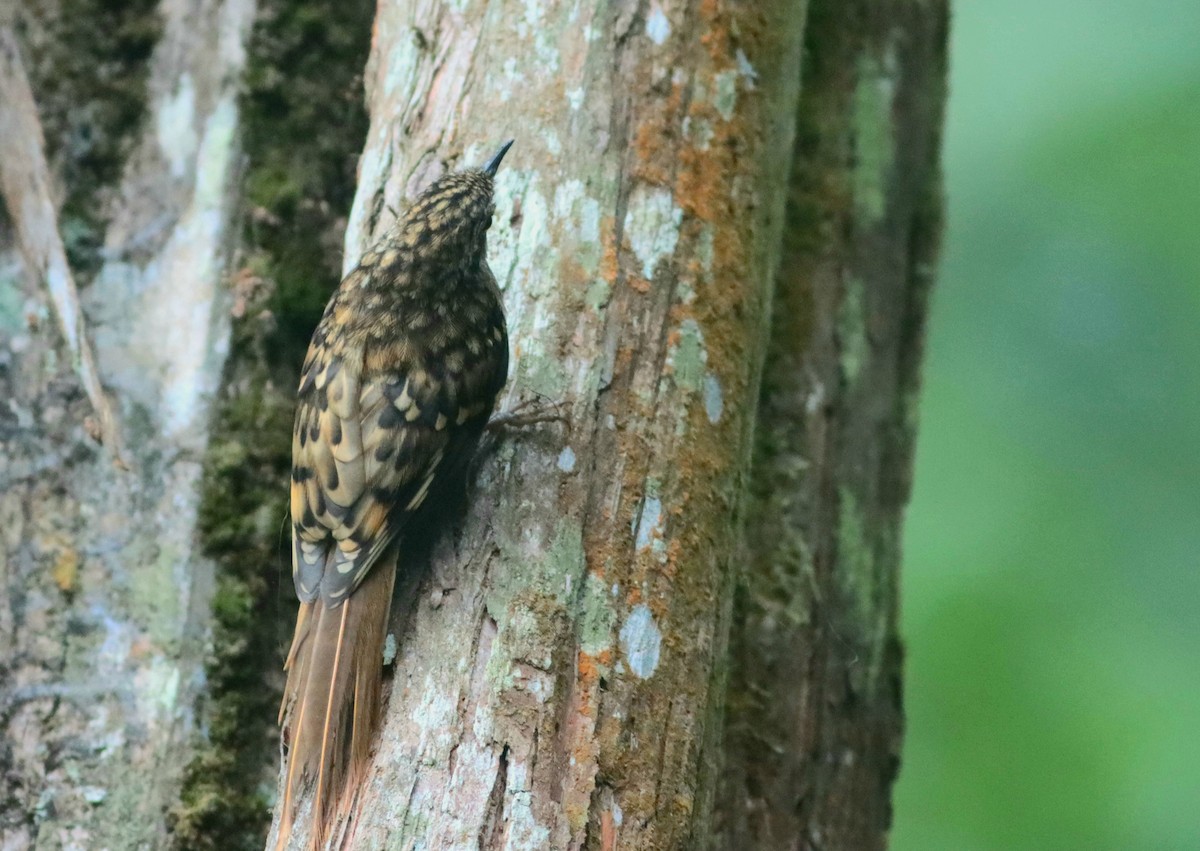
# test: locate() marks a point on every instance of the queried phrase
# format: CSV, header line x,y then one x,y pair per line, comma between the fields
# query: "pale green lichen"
x,y
401,63
699,132
598,294
873,135
596,616
155,597
12,303
545,43
746,70
175,123
588,251
533,12
544,376
714,398
578,219
725,98
523,829
852,330
550,574
648,527
157,687
658,28
641,641
652,222
528,258
704,248
858,574
688,357
189,361
565,553
217,149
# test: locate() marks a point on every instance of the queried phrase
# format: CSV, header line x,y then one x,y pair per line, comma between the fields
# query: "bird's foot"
x,y
530,412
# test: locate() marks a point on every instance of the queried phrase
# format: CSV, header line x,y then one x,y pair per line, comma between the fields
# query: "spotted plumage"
x,y
400,378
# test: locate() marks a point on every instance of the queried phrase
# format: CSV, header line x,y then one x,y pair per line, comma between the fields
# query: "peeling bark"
x,y
105,602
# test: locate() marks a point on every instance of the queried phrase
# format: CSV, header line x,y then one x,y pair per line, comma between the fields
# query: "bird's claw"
x,y
530,412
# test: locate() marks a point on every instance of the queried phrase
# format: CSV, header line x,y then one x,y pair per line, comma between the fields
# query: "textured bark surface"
x,y
104,601
558,675
814,718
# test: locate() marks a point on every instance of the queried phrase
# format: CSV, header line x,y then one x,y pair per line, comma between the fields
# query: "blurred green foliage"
x,y
1052,567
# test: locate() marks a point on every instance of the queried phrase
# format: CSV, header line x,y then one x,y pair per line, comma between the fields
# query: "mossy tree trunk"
x,y
119,163
814,715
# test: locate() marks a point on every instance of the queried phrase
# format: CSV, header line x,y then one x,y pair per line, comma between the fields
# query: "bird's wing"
x,y
368,442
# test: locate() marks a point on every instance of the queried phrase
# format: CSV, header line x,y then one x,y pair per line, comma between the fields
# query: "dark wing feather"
x,y
374,426
369,466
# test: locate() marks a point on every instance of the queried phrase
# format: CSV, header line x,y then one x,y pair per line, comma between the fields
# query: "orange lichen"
x,y
608,258
589,668
717,37
608,832
701,188
66,570
674,551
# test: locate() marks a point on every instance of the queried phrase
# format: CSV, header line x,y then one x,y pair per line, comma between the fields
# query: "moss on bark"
x,y
87,62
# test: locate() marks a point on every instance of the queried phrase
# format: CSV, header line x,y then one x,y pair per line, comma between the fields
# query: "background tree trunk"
x,y
105,602
814,717
561,667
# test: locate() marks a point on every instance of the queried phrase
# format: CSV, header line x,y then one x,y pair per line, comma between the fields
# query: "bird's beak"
x,y
494,162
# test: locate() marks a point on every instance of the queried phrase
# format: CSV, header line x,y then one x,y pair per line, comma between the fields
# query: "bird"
x,y
400,379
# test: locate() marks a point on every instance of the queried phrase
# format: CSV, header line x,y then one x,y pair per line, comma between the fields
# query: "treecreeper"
x,y
399,382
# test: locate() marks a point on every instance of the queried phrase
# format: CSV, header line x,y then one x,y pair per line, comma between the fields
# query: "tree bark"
x,y
558,668
105,600
814,719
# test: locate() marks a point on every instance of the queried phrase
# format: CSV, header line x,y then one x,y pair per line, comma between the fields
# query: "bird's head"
x,y
448,223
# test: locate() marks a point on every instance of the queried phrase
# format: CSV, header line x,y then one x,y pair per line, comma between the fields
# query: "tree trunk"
x,y
558,671
814,716
105,599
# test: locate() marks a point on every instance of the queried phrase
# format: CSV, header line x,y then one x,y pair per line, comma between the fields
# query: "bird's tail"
x,y
331,701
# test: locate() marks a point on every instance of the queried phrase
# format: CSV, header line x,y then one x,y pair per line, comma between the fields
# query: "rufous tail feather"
x,y
331,701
